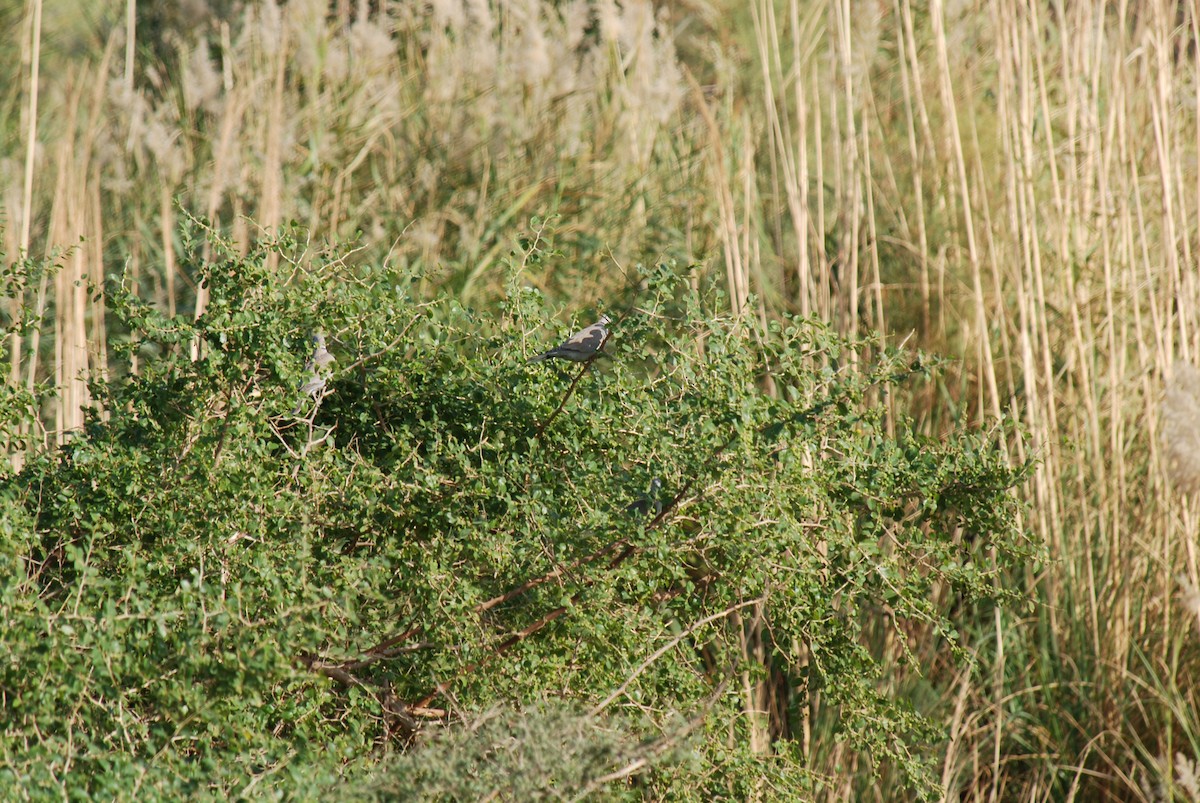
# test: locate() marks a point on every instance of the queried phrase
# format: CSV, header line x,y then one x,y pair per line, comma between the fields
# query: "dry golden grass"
x,y
1014,182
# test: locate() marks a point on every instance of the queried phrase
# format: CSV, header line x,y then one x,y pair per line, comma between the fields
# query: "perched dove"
x,y
648,503
317,367
321,356
581,346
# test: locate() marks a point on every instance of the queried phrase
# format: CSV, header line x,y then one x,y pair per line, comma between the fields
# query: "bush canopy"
x,y
450,572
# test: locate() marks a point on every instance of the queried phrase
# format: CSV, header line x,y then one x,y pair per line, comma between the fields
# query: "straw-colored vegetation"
x,y
1013,185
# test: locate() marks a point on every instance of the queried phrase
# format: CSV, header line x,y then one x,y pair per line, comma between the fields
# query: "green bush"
x,y
212,590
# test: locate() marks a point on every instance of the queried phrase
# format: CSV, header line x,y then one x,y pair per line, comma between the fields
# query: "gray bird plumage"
x,y
321,356
318,369
581,346
314,384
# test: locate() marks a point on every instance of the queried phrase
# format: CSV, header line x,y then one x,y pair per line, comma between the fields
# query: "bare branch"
x,y
670,645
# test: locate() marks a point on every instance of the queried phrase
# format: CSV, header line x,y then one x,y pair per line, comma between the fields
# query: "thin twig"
x,y
656,748
670,645
553,574
382,351
381,649
542,427
497,651
624,772
560,570
391,704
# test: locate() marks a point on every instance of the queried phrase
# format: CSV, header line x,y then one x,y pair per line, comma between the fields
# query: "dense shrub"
x,y
222,585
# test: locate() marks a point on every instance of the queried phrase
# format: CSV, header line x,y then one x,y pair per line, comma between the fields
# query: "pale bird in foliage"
x,y
321,356
318,369
581,346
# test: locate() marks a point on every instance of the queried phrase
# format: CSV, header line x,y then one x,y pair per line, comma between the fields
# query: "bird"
x,y
648,503
316,367
321,356
313,385
581,346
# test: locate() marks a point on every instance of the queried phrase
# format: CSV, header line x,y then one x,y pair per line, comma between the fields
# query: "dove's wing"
x,y
581,345
585,342
314,384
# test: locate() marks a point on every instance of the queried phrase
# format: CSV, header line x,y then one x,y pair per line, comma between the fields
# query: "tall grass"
x,y
1015,183
1040,162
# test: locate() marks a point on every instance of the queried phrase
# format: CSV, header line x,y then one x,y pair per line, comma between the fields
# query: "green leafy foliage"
x,y
222,584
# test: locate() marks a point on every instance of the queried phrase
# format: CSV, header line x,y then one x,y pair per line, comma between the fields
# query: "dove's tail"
x,y
538,358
